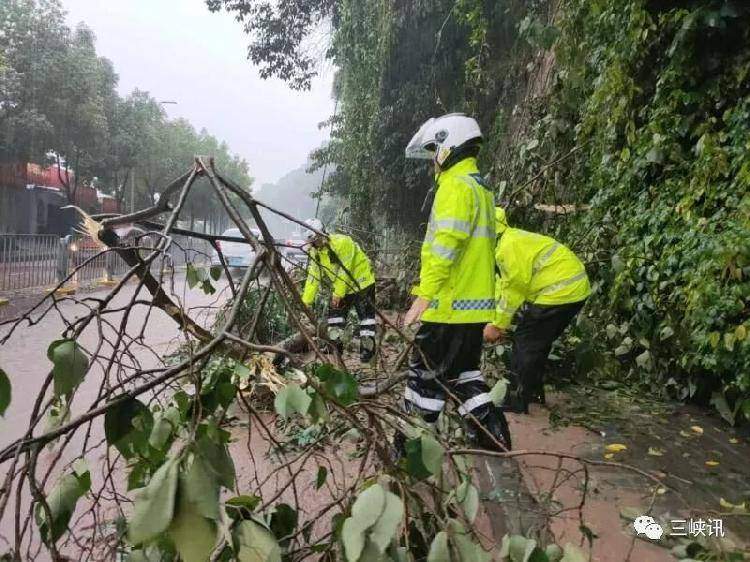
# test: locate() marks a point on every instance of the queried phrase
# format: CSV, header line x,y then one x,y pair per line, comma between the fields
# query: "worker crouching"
x,y
340,261
544,286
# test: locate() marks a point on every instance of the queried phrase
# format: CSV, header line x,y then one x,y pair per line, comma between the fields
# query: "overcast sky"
x,y
161,46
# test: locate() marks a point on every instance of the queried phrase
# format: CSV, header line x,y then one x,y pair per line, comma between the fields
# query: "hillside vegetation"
x,y
636,111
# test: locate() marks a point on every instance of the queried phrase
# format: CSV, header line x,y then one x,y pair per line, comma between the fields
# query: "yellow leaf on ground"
x,y
734,441
697,429
615,447
609,455
655,452
712,463
735,507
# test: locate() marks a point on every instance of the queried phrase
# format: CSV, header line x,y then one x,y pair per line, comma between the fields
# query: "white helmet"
x,y
314,224
438,137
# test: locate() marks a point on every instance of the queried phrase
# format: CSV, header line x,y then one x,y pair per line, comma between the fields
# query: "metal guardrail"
x,y
32,260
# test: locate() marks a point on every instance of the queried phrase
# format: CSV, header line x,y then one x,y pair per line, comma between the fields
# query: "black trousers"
x,y
538,326
364,303
451,354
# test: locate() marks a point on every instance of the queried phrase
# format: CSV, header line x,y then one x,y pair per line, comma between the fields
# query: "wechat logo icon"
x,y
645,525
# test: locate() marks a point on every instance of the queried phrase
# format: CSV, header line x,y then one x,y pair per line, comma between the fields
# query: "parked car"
x,y
236,254
294,253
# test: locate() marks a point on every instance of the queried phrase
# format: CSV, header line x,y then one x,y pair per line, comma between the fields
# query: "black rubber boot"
x,y
495,424
398,451
366,349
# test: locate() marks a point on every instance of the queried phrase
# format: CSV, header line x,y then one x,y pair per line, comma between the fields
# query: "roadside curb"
x,y
62,291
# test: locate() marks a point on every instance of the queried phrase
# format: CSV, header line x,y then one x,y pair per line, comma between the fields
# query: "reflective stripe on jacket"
x,y
347,253
457,263
536,269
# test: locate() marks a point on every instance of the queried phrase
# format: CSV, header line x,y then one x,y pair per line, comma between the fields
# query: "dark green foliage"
x,y
127,426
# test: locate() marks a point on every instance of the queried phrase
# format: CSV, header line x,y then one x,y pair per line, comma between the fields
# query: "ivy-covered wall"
x,y
636,112
653,98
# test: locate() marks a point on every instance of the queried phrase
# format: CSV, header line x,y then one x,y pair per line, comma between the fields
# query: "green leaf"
x,y
385,528
498,392
207,287
432,454
572,553
554,553
242,506
353,538
164,426
193,535
127,426
719,402
5,392
321,478
154,504
415,461
61,501
375,517
256,543
70,364
643,360
218,460
292,399
468,496
369,505
655,155
215,272
318,410
666,333
192,276
439,551
199,486
283,521
341,386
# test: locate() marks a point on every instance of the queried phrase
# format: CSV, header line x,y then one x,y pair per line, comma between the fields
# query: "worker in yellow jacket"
x,y
340,261
544,285
456,291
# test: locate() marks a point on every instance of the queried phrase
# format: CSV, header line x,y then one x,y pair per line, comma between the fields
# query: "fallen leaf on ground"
x,y
734,507
697,429
609,456
615,447
734,441
712,463
655,452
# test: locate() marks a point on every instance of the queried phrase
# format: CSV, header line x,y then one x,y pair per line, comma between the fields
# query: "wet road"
x,y
24,356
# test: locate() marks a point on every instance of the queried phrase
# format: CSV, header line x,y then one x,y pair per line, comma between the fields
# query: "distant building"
x,y
32,197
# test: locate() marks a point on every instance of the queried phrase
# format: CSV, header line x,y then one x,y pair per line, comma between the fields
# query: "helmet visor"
x,y
420,146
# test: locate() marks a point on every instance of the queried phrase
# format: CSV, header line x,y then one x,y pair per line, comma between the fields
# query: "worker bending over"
x,y
341,261
456,291
544,285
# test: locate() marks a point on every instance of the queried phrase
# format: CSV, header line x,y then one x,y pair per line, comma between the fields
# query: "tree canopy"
x,y
59,101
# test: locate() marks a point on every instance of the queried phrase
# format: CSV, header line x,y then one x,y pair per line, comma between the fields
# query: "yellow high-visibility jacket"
x,y
536,269
350,255
457,272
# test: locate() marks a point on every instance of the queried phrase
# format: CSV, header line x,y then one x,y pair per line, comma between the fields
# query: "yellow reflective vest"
x,y
536,269
347,254
457,272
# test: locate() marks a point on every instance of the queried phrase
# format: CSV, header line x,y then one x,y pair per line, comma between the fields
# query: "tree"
x,y
281,34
